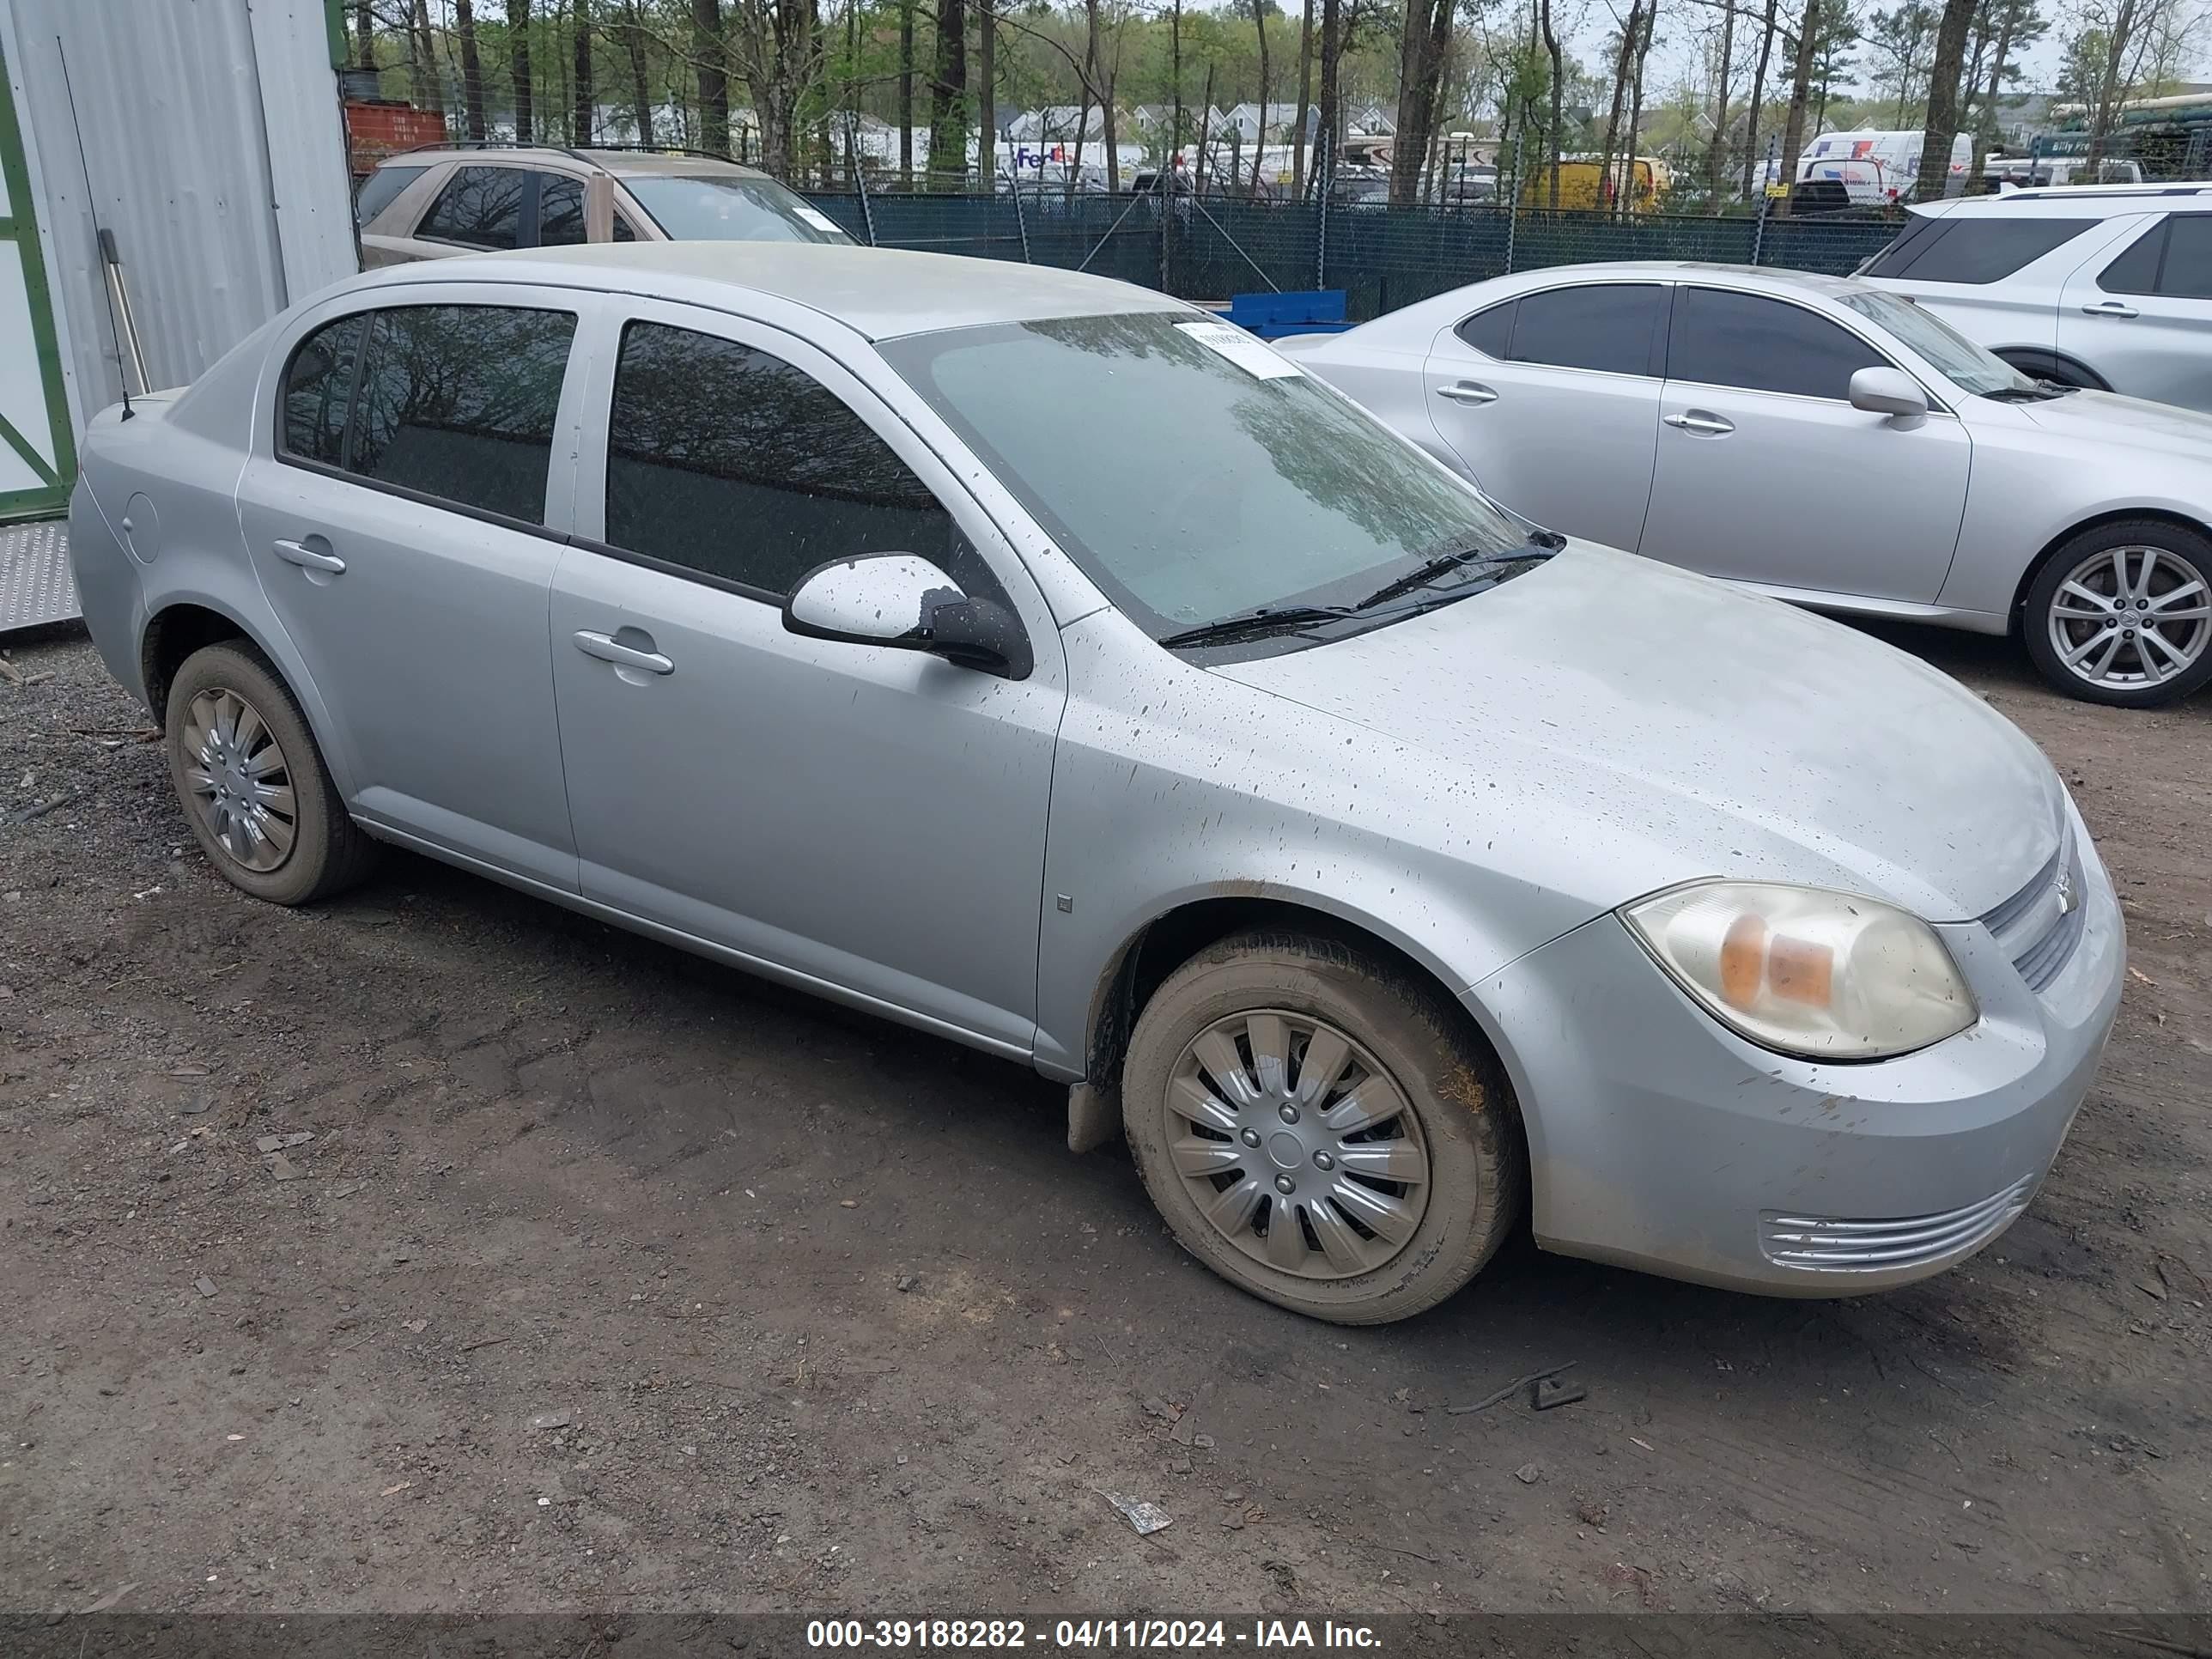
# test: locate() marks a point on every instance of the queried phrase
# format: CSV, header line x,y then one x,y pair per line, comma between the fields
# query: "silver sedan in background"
x,y
1819,441
1394,880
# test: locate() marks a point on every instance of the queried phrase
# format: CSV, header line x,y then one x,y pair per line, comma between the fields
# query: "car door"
x,y
1551,400
398,522
2143,318
867,820
1766,474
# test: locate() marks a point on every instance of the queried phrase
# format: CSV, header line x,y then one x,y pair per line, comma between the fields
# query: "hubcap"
x,y
2131,617
239,780
1296,1145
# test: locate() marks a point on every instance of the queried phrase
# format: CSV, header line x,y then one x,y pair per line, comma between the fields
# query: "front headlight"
x,y
1823,975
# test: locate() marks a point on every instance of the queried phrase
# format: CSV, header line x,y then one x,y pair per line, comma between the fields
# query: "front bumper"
x,y
1661,1140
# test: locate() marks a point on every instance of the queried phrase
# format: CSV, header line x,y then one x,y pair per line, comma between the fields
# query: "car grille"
x,y
1823,1244
2037,927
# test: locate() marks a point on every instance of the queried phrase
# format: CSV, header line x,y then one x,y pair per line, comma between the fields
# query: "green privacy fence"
x,y
1382,257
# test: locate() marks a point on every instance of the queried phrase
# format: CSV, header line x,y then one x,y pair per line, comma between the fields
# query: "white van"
x,y
1879,166
2030,172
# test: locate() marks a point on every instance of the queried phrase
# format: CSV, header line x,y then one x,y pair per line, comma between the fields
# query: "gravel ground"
x,y
593,1275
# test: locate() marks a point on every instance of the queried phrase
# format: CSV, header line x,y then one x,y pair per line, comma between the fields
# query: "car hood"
x,y
2135,422
1677,729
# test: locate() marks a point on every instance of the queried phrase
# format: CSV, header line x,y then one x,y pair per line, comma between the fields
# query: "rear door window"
x,y
318,386
2136,272
1758,344
456,402
1974,248
479,207
1607,326
2185,273
2173,258
1490,332
560,210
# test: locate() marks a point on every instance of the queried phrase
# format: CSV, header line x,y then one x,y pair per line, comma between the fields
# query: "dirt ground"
x,y
822,1315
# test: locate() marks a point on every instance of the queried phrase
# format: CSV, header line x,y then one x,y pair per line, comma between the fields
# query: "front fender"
x,y
1180,786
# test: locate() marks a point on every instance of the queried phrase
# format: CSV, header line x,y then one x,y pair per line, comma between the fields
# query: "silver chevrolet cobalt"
x,y
1037,661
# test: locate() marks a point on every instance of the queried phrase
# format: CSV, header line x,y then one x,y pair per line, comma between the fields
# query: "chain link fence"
x,y
1207,248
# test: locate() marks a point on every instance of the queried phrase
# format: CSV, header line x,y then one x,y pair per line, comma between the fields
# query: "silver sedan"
x,y
1043,663
1819,441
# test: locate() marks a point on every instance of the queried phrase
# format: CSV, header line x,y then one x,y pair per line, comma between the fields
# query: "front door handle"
x,y
2110,308
308,558
1699,420
607,648
1468,391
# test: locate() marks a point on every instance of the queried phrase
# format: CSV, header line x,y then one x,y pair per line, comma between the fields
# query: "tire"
x,y
294,842
1406,1050
2081,600
2059,371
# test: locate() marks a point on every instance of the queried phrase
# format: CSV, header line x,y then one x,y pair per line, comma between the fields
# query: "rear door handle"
x,y
606,648
308,558
1468,391
1699,420
2110,308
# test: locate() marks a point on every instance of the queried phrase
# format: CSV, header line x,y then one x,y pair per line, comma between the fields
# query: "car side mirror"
x,y
903,601
1889,391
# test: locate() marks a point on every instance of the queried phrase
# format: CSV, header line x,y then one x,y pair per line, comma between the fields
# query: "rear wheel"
x,y
1319,1129
2122,614
252,784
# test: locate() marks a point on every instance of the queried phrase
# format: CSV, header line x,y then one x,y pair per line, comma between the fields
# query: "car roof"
x,y
2073,200
880,293
1769,276
643,163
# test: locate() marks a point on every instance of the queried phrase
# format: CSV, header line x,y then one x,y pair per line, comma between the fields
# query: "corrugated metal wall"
x,y
213,148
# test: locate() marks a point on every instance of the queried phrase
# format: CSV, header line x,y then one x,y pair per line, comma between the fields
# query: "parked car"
x,y
2104,286
1391,874
431,204
1903,470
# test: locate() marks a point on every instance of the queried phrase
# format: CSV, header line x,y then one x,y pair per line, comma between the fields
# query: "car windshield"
x,y
711,208
1193,472
1966,365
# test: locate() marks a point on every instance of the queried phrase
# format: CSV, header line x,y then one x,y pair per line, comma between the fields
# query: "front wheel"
x,y
1319,1129
2122,614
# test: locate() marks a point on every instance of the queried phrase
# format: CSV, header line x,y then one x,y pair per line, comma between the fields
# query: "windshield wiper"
x,y
2041,393
1257,625
1547,541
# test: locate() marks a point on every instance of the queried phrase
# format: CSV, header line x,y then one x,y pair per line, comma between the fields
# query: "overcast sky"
x,y
1674,52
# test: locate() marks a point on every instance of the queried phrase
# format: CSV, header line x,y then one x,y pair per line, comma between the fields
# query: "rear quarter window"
x,y
1973,249
381,189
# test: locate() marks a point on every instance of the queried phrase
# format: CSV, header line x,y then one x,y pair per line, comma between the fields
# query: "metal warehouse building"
x,y
206,136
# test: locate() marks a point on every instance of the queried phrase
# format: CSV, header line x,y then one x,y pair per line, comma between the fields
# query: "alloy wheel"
x,y
1295,1145
239,780
2129,617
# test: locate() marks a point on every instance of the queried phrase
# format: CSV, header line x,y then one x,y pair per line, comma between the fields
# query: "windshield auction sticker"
x,y
1253,356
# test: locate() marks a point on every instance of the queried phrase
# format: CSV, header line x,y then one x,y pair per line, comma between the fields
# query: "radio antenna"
x,y
104,242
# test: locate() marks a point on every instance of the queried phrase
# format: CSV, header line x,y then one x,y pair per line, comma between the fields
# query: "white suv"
x,y
2106,286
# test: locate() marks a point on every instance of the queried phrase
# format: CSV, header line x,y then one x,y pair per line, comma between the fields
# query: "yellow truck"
x,y
1579,184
